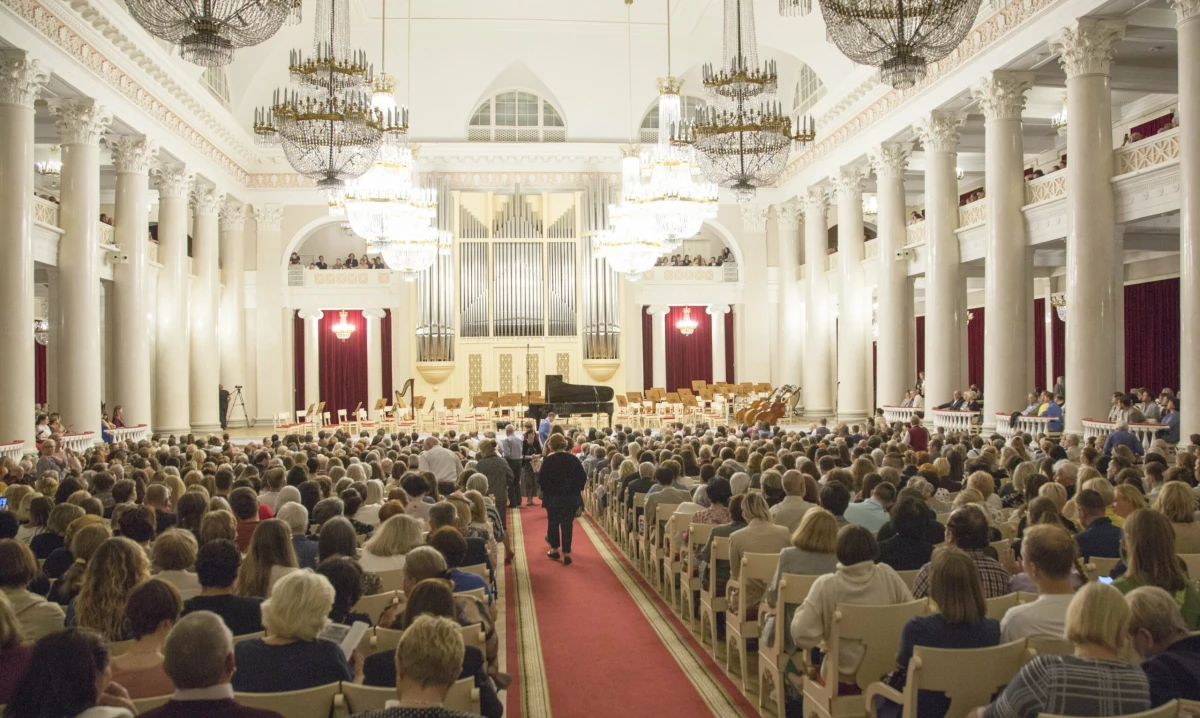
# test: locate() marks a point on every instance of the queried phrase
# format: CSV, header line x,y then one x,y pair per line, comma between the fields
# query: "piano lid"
x,y
558,391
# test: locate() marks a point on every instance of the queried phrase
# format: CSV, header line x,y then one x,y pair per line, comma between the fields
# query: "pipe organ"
x,y
435,297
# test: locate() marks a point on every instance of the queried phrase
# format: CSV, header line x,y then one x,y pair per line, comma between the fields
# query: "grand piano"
x,y
563,399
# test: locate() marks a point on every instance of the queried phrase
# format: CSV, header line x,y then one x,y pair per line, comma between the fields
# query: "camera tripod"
x,y
236,400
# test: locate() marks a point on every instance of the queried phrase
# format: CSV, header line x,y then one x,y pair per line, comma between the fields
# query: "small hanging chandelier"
x,y
208,31
49,162
1059,302
41,331
687,325
1059,121
343,329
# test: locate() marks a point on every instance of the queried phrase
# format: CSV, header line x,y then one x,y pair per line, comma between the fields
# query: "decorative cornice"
x,y
848,183
173,181
718,309
1087,47
207,200
80,120
790,216
890,159
816,202
374,313
754,217
314,314
233,216
269,217
133,154
1185,9
939,131
1002,96
21,78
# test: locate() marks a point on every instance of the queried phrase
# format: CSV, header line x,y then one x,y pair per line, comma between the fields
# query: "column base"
x,y
857,417
214,428
165,431
816,414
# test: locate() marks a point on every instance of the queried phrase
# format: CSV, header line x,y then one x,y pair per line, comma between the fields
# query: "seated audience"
x,y
1150,561
217,570
73,680
270,557
1099,538
451,544
243,502
424,563
118,565
761,535
54,536
1170,653
791,510
345,576
153,608
14,651
174,561
871,512
967,530
1177,502
737,522
296,517
391,542
909,548
338,538
36,616
813,553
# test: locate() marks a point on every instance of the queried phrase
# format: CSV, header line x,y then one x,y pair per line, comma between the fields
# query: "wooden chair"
x,y
878,628
689,583
1001,547
1050,646
386,639
476,593
463,697
480,570
146,704
1192,560
248,636
634,541
998,606
1104,566
391,580
969,677
772,660
1166,710
739,627
309,703
712,605
656,544
908,577
375,605
357,699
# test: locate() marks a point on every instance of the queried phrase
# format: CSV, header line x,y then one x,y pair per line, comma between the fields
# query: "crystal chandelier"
x,y
900,37
1059,302
625,252
686,325
49,162
742,136
1059,121
41,331
208,31
343,329
383,87
416,253
870,205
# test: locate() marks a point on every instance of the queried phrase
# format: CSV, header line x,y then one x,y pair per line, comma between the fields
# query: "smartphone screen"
x,y
1106,579
3,503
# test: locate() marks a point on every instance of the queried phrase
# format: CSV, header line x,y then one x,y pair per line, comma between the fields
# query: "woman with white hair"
x,y
287,495
389,546
296,517
292,657
368,513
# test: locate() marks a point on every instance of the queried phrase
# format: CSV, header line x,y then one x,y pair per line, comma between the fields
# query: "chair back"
x,y
969,677
908,577
998,606
760,566
1050,645
463,697
1192,561
1001,547
476,593
391,580
793,589
248,636
697,536
386,639
1169,709
474,635
360,699
480,570
720,552
145,704
1104,566
375,605
308,703
878,628
662,517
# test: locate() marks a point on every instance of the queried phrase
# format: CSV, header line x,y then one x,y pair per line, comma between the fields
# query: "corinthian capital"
x,y
207,200
173,181
816,202
1086,48
133,154
80,120
849,183
21,78
754,217
1002,96
1185,9
890,160
233,216
269,217
939,131
790,215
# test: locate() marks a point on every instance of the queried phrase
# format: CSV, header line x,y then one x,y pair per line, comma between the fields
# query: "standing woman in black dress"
x,y
531,448
562,479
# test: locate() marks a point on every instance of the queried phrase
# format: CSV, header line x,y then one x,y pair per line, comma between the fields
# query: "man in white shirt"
x,y
442,462
918,401
791,510
872,513
1047,557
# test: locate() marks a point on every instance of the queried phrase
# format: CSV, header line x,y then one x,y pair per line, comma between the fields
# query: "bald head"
x,y
198,653
793,483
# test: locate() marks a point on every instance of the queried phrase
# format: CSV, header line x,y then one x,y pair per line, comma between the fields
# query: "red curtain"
x,y
975,349
1039,343
688,357
920,344
298,363
647,349
40,395
1148,129
343,362
1152,335
729,343
385,337
1058,330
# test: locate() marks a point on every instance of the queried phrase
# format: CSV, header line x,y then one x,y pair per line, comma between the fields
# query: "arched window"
x,y
216,81
690,107
809,90
515,116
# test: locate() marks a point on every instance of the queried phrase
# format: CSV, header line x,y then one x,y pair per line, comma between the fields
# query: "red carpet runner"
x,y
599,653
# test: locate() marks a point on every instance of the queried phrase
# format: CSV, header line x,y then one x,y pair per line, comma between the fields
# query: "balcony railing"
x,y
130,433
1147,153
901,414
1145,433
727,272
12,450
972,214
916,234
298,276
954,421
1051,186
1033,425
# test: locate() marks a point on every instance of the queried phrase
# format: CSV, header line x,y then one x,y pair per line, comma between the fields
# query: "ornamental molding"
x,y
890,159
754,217
269,217
233,216
67,30
848,183
790,216
207,200
938,131
816,203
133,154
1087,46
21,78
374,313
1002,96
173,181
1185,9
987,33
456,180
718,309
80,120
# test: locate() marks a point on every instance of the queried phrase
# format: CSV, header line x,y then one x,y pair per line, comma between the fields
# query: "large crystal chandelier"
x,y
900,37
208,31
742,136
329,131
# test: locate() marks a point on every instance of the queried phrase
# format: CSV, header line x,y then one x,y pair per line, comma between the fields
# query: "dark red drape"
x,y
343,362
1058,331
688,357
920,339
1147,129
729,344
1152,335
40,395
385,337
298,362
975,349
647,349
1039,343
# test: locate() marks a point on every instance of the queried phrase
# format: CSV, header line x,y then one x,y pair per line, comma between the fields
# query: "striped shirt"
x,y
991,572
1068,685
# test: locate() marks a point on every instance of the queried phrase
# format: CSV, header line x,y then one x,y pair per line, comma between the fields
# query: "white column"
x,y
945,316
754,325
790,313
312,356
81,123
205,374
854,301
890,162
403,333
1086,49
374,358
172,414
1046,327
1007,375
718,312
21,79
231,333
133,156
1188,16
1118,310
658,351
273,396
818,392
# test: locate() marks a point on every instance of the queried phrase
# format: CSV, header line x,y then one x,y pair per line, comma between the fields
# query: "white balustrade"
x,y
973,213
954,421
1051,186
45,212
898,414
916,234
1098,430
79,443
1032,425
1147,433
12,450
130,433
1148,152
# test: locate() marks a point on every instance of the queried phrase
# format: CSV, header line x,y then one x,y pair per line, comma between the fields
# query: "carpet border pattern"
x,y
535,692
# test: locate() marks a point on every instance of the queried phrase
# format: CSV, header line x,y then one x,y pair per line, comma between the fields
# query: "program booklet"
x,y
348,637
